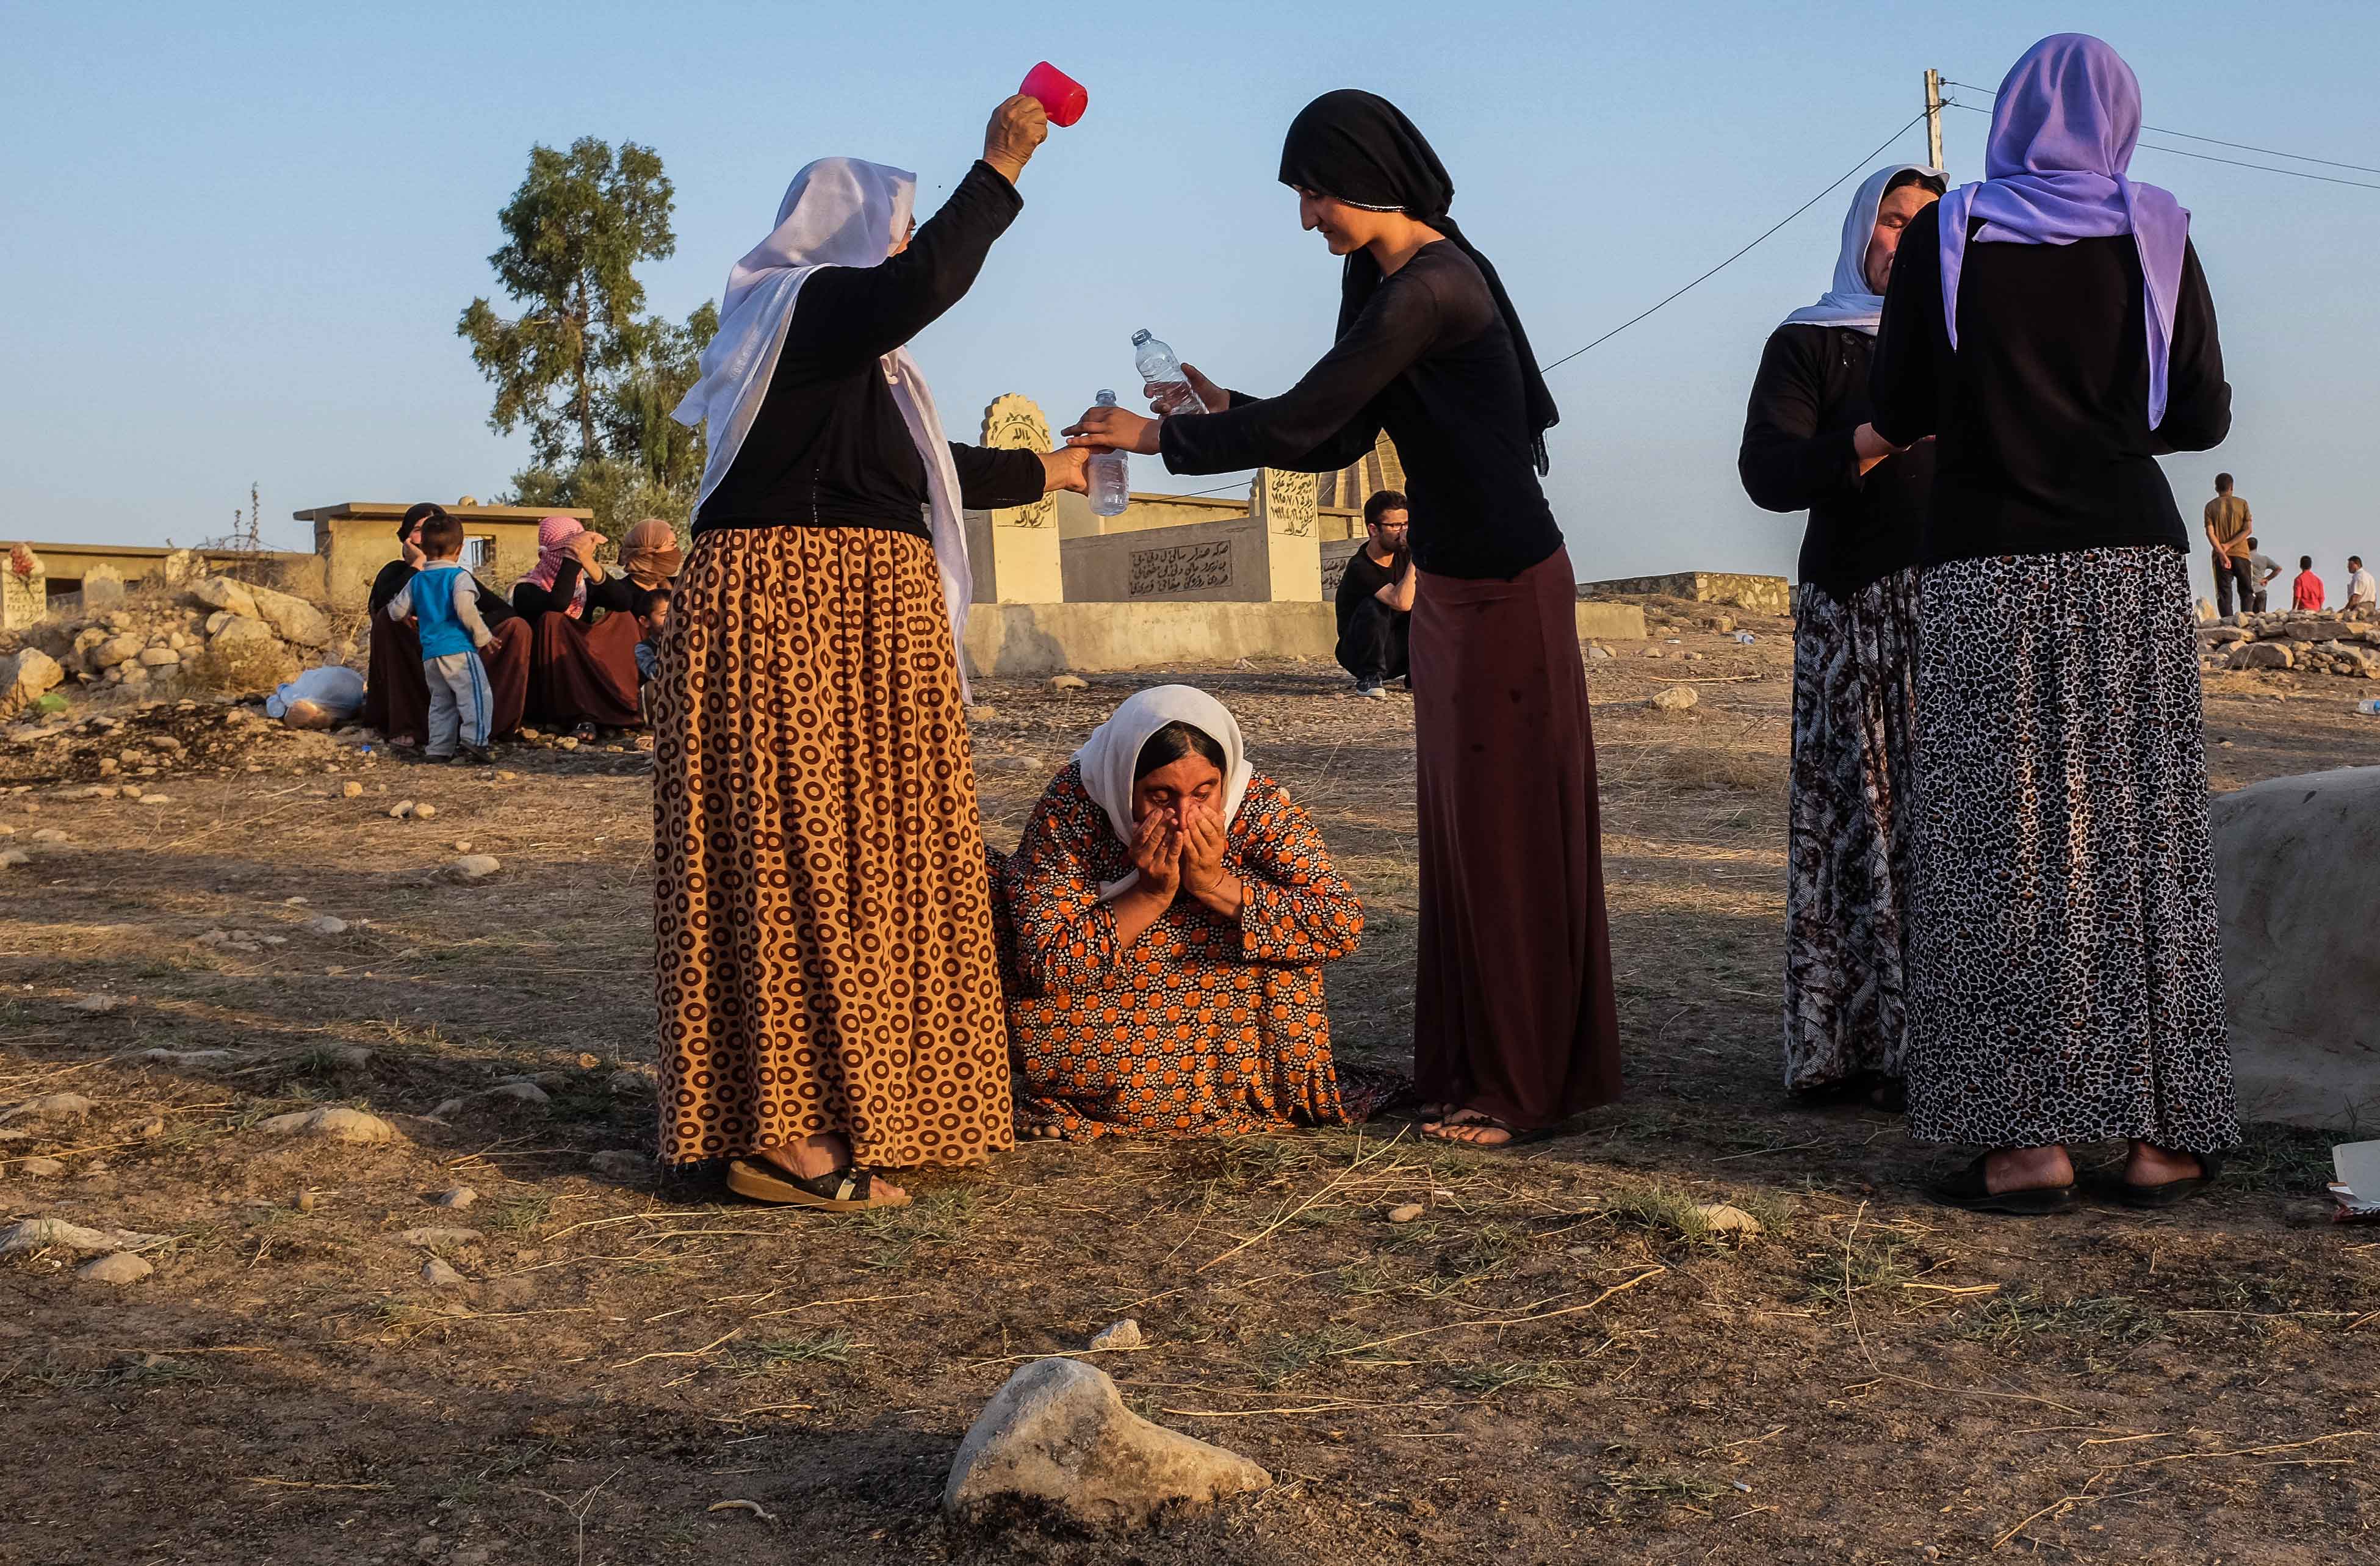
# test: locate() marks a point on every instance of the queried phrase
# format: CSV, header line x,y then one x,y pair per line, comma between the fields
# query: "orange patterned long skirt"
x,y
824,958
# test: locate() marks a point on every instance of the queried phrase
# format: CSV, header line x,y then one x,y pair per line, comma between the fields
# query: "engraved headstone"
x,y
1013,422
1013,550
1285,502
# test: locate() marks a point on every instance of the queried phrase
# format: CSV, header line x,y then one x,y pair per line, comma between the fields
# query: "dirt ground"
x,y
1558,1360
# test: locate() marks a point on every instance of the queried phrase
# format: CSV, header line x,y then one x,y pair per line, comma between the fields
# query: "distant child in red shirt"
x,y
2309,586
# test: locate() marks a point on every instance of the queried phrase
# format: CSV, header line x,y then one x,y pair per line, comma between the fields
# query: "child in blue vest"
x,y
443,601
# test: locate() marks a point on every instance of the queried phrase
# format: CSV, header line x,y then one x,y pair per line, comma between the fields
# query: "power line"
x,y
2210,141
2235,163
1855,169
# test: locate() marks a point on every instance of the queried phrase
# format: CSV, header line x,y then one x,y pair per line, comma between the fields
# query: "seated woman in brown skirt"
x,y
1163,931
397,701
582,671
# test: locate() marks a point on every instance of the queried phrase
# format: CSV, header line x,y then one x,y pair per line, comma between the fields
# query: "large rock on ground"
x,y
296,621
25,677
222,593
2293,866
1057,1441
2262,655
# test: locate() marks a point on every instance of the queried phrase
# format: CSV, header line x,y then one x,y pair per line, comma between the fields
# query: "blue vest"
x,y
433,605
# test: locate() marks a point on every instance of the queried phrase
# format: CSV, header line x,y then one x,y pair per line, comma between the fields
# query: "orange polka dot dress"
x,y
1200,1027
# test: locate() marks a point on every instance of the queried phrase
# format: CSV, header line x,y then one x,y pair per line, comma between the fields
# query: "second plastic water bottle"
x,y
1111,474
1159,367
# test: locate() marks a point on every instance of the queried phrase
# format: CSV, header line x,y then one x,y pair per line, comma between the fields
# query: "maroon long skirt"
x,y
1512,1007
582,674
396,698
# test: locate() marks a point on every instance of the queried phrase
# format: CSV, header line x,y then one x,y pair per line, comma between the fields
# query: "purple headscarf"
x,y
2062,135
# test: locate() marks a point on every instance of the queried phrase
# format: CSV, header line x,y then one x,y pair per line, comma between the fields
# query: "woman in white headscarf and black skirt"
x,y
828,982
1808,446
1514,1028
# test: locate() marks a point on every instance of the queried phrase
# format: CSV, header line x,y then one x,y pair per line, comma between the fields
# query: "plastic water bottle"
x,y
2369,706
1111,474
1160,369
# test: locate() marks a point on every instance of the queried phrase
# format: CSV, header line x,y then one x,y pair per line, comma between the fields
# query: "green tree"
x,y
575,231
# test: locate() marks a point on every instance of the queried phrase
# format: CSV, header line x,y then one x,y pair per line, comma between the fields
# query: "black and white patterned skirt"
x,y
2065,961
1847,850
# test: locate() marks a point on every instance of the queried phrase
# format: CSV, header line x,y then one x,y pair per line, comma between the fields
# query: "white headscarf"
x,y
1110,754
1849,303
838,212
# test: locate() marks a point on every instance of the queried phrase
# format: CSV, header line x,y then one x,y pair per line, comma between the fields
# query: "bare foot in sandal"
x,y
814,1162
1469,1128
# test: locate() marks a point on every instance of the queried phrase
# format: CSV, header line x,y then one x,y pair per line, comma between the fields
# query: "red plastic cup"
x,y
1061,94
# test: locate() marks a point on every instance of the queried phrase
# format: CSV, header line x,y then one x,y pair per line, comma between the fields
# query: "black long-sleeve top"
x,y
1430,360
829,447
615,593
2042,410
1797,455
393,576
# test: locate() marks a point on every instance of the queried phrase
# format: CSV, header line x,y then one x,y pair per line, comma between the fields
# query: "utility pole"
x,y
1934,119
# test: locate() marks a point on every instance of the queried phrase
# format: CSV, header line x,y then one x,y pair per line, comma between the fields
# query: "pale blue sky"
x,y
233,240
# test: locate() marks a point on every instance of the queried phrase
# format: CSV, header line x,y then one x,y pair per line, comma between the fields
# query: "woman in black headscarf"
x,y
1514,1029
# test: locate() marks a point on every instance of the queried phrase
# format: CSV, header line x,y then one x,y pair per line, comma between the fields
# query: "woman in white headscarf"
x,y
829,992
1808,447
1164,924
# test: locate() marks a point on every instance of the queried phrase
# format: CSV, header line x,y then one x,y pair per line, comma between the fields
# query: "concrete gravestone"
x,y
24,587
2293,861
1013,550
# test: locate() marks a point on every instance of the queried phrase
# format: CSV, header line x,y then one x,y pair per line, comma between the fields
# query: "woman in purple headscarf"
x,y
2051,326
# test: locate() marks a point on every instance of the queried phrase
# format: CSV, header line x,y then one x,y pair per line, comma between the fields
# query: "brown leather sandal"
x,y
847,1189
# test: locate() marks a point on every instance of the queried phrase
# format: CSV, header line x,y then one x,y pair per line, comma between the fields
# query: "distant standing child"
x,y
443,600
2307,589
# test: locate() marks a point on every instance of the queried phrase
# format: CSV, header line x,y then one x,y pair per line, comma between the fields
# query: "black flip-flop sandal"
x,y
1967,1189
847,1189
1514,1136
2115,1188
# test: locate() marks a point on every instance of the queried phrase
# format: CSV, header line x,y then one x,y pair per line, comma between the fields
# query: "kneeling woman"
x,y
1165,923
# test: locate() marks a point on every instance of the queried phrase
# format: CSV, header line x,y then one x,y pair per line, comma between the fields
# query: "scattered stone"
x,y
424,812
1676,698
224,595
10,857
150,1128
432,1238
1727,1219
324,925
2263,655
1597,654
402,811
25,676
472,868
156,799
51,835
1070,682
631,1084
351,791
461,1196
159,657
462,845
438,1275
1405,1212
1057,1438
522,1092
306,1202
618,1163
352,1057
56,1234
292,619
115,1267
339,1123
1124,1334
448,1109
982,714
42,1169
181,1058
52,1106
112,652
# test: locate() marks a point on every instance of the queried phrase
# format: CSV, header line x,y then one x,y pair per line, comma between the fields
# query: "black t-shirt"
x,y
1797,455
1362,582
829,447
2042,410
1431,361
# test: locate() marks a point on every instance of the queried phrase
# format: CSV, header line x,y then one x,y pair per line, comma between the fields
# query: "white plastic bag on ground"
x,y
319,697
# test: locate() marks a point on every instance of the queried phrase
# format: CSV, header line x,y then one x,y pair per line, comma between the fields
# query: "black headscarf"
x,y
1360,149
416,515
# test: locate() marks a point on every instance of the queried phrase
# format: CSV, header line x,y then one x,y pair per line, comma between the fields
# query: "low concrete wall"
x,y
1029,640
1762,595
